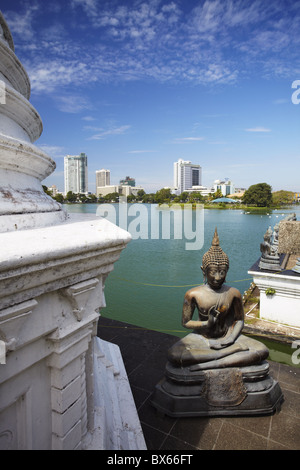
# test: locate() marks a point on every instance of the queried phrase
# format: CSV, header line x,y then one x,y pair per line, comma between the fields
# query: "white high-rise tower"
x,y
102,178
186,175
76,174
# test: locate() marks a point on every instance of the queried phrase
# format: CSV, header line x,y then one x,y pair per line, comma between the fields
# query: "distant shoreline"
x,y
213,206
232,206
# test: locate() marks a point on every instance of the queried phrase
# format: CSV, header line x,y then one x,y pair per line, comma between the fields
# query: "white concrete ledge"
x,y
117,425
284,305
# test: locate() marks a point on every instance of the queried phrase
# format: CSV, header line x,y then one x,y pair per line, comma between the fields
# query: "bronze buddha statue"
x,y
215,370
216,340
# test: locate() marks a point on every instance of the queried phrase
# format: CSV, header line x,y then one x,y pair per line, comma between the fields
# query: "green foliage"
x,y
140,194
59,198
282,197
46,190
112,197
149,198
270,291
71,197
163,196
217,194
259,195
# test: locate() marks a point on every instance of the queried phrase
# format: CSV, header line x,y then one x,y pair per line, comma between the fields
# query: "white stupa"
x,y
23,166
61,386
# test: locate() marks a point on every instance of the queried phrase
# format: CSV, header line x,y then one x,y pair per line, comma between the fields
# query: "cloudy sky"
x,y
138,84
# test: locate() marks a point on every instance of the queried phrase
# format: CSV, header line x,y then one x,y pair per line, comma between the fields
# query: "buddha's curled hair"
x,y
215,255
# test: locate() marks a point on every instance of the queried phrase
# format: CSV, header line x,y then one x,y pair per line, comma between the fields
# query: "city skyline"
x,y
138,85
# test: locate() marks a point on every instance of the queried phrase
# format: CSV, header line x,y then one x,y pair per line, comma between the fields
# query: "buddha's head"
x,y
215,264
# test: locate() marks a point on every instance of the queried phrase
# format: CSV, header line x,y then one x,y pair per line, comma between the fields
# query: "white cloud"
x,y
20,24
183,140
88,118
258,129
72,103
281,101
89,6
216,42
46,76
102,133
141,151
53,151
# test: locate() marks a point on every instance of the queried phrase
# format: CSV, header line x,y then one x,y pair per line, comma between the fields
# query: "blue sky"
x,y
136,85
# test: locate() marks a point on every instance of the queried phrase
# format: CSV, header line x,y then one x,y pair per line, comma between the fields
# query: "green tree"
x,y
59,198
82,198
196,197
217,194
184,196
112,197
140,194
71,197
259,195
282,197
92,198
149,198
163,196
46,190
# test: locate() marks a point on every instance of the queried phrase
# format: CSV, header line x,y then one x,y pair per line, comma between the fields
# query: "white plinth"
x,y
284,305
61,387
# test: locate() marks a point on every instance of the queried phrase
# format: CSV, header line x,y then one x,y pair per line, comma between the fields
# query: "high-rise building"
x,y
102,177
186,175
226,187
76,174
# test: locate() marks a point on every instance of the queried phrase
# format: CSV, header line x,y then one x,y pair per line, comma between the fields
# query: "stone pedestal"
x,y
53,392
217,392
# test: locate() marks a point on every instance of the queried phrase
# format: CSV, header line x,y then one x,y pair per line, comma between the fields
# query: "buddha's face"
x,y
216,275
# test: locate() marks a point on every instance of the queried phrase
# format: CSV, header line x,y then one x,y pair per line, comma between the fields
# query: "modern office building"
x,y
186,175
76,173
102,178
226,187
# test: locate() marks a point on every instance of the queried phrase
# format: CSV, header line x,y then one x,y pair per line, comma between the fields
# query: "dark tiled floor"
x,y
144,356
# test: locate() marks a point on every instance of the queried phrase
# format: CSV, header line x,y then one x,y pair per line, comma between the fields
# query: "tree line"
x,y
257,195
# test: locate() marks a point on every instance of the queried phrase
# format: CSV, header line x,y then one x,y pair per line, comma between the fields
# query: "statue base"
x,y
217,392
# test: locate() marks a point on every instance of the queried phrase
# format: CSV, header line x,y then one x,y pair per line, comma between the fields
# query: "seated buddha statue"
x,y
216,340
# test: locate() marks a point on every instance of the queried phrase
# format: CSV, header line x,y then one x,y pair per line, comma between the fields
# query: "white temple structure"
x,y
279,284
61,387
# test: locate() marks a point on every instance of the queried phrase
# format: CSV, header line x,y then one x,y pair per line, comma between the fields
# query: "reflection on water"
x,y
150,279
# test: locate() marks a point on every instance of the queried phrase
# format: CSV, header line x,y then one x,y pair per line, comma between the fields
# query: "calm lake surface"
x,y
148,283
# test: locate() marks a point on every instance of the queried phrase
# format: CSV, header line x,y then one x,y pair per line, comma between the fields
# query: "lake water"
x,y
150,279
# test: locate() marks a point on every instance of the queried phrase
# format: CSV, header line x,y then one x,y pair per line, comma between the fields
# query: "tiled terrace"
x,y
144,356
